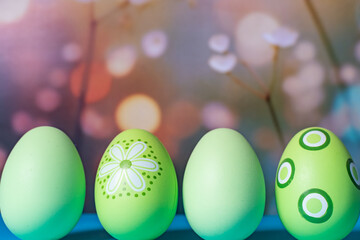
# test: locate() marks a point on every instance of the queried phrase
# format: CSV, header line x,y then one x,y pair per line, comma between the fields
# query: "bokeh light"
x,y
182,119
47,99
99,82
22,122
12,10
120,61
304,51
219,43
250,41
312,74
217,115
154,43
3,157
138,111
348,73
222,63
96,125
71,52
58,78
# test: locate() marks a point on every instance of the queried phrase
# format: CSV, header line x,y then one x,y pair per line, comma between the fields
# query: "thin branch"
x,y
254,75
113,11
274,69
239,82
86,75
325,39
275,121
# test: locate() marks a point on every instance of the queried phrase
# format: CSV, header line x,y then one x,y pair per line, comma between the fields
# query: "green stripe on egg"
x,y
314,139
315,205
285,173
353,172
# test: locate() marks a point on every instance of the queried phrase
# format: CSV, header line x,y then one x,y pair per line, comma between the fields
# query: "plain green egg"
x,y
224,187
136,189
42,189
317,186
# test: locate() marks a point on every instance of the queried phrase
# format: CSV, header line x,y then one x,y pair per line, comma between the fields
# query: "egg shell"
x,y
42,190
224,187
136,189
317,186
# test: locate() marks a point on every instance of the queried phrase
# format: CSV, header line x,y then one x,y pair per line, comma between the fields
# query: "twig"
x,y
86,75
275,120
326,41
274,69
239,82
254,75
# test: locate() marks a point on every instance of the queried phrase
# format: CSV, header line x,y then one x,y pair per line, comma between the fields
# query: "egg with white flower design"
x,y
317,186
136,187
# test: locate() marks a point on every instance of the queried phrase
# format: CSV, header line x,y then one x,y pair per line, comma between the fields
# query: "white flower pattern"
x,y
125,166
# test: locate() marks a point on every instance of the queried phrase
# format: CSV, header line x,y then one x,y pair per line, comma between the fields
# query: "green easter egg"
x,y
136,189
317,186
42,190
224,187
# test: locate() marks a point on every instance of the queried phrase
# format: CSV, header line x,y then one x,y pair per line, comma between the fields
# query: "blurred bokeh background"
x,y
179,68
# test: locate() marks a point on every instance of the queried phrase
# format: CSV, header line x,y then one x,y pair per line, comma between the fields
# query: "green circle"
x,y
291,162
313,140
125,164
348,167
328,211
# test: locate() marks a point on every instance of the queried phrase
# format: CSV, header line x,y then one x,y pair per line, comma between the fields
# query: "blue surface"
x,y
89,228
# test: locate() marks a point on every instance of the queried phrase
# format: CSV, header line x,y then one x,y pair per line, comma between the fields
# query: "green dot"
x,y
152,151
151,182
100,182
150,146
118,142
143,193
103,193
125,164
126,147
120,195
284,173
139,139
154,177
356,176
113,197
107,196
102,187
149,189
149,155
144,156
124,141
144,173
131,140
160,169
127,144
159,174
313,138
145,142
155,157
108,176
128,194
148,176
314,205
136,195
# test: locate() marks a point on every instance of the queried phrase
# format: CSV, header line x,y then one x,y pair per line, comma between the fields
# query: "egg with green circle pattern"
x,y
224,187
317,186
136,189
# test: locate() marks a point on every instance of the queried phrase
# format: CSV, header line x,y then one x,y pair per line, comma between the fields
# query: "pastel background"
x,y
177,68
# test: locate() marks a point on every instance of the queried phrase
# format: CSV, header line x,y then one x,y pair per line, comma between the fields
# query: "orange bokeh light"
x,y
99,82
138,111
